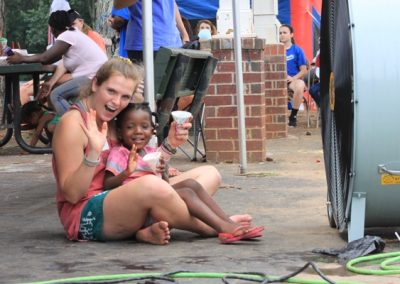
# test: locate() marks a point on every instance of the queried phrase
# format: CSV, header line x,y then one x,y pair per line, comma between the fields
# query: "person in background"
x,y
81,58
118,20
206,24
79,23
56,5
167,26
296,69
34,116
26,90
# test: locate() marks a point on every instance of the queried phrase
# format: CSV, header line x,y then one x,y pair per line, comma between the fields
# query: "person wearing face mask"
x,y
205,29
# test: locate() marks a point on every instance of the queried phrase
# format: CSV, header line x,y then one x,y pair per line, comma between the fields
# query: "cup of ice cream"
x,y
181,117
152,159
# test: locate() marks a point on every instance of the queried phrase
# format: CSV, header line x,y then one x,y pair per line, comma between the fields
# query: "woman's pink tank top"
x,y
70,214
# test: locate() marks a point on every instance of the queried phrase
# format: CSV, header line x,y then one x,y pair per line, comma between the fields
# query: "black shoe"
x,y
292,122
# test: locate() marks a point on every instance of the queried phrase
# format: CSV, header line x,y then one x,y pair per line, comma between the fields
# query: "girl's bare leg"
x,y
126,208
198,208
207,176
243,219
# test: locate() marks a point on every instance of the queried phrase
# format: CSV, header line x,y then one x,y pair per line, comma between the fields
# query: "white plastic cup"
x,y
152,159
180,117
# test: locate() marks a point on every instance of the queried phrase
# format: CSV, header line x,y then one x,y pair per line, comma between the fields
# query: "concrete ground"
x,y
287,195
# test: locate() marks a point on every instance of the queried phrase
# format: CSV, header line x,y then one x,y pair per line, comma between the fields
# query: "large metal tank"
x,y
360,108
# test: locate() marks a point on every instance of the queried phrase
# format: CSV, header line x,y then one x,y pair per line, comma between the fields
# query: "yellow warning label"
x,y
387,179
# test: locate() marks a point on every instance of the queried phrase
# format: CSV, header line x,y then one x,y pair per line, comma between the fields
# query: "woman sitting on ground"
x,y
146,207
81,56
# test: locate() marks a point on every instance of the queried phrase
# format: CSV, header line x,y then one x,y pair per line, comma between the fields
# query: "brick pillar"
x,y
276,98
221,116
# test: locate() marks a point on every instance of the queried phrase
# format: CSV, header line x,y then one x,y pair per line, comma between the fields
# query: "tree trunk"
x,y
102,9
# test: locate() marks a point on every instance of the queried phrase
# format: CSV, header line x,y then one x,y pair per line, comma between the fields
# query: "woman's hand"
x,y
96,137
15,59
132,160
178,135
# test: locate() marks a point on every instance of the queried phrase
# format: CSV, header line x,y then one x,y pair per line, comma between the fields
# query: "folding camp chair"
x,y
182,73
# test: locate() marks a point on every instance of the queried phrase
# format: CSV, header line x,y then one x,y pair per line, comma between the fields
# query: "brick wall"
x,y
264,88
275,91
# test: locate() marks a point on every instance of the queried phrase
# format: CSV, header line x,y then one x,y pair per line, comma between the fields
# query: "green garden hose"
x,y
385,267
211,275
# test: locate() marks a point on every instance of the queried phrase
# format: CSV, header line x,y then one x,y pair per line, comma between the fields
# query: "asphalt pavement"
x,y
286,194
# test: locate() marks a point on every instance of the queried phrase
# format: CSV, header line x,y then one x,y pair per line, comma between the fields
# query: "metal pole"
x,y
239,86
147,21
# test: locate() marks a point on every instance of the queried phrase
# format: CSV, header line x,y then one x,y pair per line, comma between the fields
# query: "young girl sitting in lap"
x,y
125,163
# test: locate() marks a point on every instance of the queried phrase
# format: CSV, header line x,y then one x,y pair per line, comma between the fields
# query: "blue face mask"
x,y
204,34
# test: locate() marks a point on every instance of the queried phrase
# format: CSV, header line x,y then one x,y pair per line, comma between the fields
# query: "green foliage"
x,y
26,21
36,35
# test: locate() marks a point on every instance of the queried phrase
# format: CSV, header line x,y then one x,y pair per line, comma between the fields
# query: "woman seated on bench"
x,y
81,56
296,69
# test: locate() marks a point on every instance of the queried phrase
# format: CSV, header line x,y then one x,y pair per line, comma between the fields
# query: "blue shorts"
x,y
91,224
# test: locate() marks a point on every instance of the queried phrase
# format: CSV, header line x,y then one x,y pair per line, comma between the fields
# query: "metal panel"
x,y
376,112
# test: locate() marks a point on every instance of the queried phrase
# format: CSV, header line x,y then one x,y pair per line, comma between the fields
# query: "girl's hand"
x,y
96,137
178,136
132,160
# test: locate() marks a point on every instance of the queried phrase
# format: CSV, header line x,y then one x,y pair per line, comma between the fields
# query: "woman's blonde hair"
x,y
86,28
115,66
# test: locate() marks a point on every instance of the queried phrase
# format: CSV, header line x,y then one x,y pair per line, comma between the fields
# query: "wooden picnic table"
x,y
10,120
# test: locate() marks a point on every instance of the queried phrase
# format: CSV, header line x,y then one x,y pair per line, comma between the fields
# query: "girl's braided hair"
x,y
133,107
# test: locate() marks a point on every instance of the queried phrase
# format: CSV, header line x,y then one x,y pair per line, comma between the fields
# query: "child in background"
x,y
125,162
36,117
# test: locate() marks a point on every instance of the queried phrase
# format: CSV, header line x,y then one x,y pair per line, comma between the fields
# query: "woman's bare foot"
x,y
243,219
157,234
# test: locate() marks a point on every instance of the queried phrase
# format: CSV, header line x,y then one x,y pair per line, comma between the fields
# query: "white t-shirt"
x,y
84,57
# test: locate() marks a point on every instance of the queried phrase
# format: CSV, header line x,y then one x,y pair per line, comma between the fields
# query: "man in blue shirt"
x,y
296,69
119,21
165,29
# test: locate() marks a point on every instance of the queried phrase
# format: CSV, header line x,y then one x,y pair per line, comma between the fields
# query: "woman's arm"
x,y
180,25
47,86
302,72
118,4
69,142
39,128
